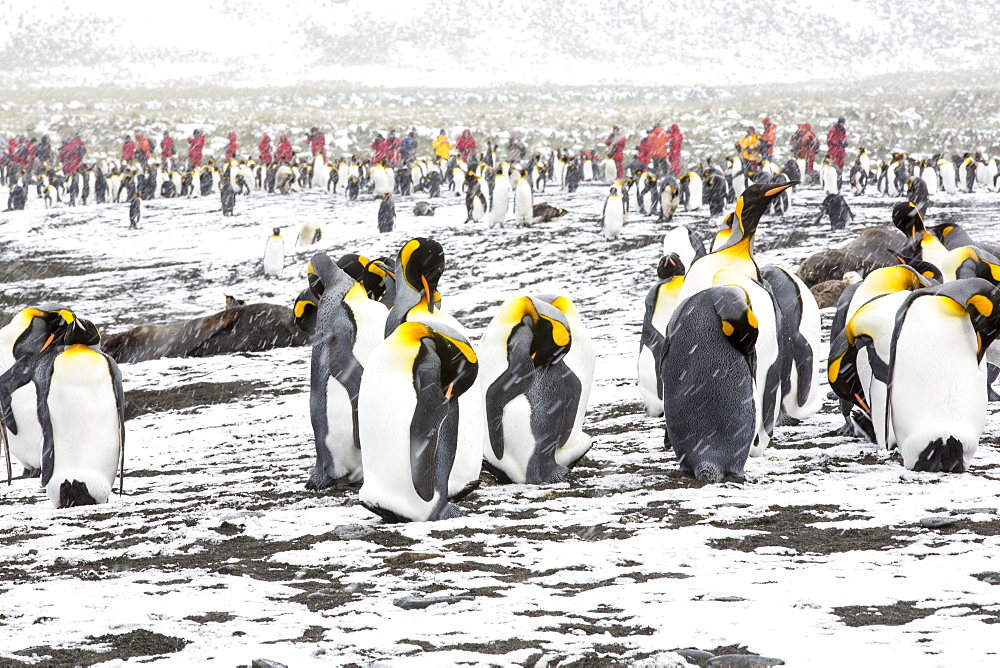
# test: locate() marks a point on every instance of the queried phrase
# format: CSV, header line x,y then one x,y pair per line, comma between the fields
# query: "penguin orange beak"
x,y
428,293
448,391
52,337
777,189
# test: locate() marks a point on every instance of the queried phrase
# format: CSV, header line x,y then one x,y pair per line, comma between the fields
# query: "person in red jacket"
x,y
264,149
379,149
466,145
128,149
393,148
317,142
643,152
804,145
142,149
674,142
767,138
616,147
658,149
71,154
231,147
167,149
284,152
196,144
836,143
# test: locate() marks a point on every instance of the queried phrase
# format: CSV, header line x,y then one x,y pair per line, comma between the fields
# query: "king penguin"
x,y
419,266
29,332
348,327
737,252
718,400
274,254
532,397
613,217
81,410
660,304
501,198
937,379
386,214
134,211
523,202
420,371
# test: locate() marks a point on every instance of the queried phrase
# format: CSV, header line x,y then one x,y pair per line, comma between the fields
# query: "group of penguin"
x,y
402,400
912,351
62,404
729,349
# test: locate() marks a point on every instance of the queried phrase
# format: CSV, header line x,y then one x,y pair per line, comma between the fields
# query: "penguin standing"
x,y
532,396
227,195
829,177
475,200
692,191
610,171
837,208
274,254
613,217
352,188
28,333
419,266
386,214
348,327
523,202
737,252
858,178
81,410
660,304
670,196
420,371
799,342
937,395
134,211
719,399
501,199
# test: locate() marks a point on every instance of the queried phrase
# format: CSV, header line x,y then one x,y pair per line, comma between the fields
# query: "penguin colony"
x,y
728,349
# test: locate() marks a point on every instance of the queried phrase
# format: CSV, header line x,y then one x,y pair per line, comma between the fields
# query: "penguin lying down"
x,y
248,328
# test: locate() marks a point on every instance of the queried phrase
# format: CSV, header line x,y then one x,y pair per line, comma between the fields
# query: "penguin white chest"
x,y
83,414
274,256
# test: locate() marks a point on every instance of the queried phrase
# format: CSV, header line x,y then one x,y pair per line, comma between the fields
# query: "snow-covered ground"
x,y
217,555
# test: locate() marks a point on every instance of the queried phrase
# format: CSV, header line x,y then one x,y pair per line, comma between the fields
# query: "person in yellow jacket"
x,y
442,147
750,147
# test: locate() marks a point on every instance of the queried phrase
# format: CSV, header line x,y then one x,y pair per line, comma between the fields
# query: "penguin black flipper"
x,y
42,378
560,389
513,382
428,416
116,381
16,377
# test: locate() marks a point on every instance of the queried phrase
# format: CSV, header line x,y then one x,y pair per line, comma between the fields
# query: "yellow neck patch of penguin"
x,y
300,307
981,304
727,328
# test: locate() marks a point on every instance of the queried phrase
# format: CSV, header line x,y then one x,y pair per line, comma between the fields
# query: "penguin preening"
x,y
310,233
81,411
386,214
937,382
720,324
660,304
348,326
532,396
421,370
28,333
274,254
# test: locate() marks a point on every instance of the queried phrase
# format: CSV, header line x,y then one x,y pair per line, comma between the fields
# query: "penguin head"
x,y
907,219
233,302
926,269
36,326
458,364
754,202
942,230
378,273
304,311
736,318
421,262
319,272
967,262
82,332
669,266
276,232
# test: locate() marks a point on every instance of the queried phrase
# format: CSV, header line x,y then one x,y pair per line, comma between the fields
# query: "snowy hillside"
x,y
471,43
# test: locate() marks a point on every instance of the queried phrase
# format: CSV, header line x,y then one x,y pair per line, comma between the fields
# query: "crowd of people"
x,y
658,150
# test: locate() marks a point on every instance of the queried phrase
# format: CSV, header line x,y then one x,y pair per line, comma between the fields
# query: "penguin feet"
x,y
72,494
555,473
465,491
942,457
992,395
320,480
786,420
30,472
863,426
